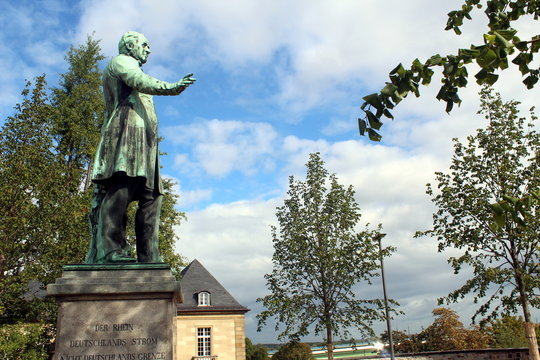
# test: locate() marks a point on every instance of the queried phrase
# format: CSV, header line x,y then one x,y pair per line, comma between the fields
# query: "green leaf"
x,y
490,38
370,98
399,70
461,80
389,89
522,45
507,34
435,60
388,114
427,74
496,208
374,100
530,81
442,94
523,60
502,41
499,219
535,45
506,206
503,64
362,126
374,122
512,200
487,58
417,65
485,77
449,106
373,135
468,54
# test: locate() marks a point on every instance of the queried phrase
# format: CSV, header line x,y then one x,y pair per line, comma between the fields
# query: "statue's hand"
x,y
186,80
181,85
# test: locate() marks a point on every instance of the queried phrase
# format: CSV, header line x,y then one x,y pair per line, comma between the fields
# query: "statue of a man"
x,y
126,165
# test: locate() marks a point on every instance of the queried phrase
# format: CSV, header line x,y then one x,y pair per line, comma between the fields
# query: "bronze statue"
x,y
126,165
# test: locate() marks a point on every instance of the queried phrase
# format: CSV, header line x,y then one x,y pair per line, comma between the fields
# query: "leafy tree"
x,y
501,49
33,210
294,351
501,161
403,342
319,259
25,342
448,333
29,182
79,109
508,332
255,352
170,217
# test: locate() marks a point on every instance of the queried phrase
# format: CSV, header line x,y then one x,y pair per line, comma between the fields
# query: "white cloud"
x,y
45,53
233,242
220,147
188,198
339,126
324,49
191,197
232,236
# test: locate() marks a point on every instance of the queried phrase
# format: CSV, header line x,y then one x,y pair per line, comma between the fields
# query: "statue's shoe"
x,y
119,258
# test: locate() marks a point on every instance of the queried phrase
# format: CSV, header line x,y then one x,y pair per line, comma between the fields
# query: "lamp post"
x,y
388,325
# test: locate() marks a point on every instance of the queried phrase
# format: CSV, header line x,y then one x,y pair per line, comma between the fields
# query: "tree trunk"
x,y
531,340
329,341
70,157
87,181
530,332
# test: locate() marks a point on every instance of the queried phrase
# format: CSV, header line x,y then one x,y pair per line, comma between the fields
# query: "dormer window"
x,y
204,298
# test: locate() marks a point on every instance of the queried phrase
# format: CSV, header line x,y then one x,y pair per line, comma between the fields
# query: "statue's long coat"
x,y
129,139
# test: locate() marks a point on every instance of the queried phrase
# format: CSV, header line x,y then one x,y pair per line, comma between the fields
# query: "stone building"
x,y
210,322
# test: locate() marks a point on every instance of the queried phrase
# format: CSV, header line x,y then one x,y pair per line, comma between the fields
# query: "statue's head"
x,y
135,45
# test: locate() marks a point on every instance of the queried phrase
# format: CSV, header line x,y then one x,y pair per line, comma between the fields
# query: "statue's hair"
x,y
130,37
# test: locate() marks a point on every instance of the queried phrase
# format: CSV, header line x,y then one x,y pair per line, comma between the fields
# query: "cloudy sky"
x,y
278,80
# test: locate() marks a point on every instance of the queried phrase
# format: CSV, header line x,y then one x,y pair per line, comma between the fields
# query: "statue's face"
x,y
140,50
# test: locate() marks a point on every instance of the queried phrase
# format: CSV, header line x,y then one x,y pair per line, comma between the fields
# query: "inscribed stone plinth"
x,y
116,313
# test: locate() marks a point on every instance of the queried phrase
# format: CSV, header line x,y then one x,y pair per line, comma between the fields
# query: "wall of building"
x,y
227,339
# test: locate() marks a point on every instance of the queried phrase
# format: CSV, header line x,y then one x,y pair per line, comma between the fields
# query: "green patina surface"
x,y
126,164
117,266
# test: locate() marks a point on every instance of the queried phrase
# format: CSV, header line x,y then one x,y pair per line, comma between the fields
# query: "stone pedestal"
x,y
116,312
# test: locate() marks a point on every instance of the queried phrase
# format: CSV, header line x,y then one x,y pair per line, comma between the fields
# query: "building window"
x,y
204,298
204,347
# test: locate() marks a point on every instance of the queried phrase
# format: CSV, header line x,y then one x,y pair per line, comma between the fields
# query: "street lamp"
x,y
388,325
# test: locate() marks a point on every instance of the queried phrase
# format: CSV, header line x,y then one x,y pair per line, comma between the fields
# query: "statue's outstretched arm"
x,y
127,68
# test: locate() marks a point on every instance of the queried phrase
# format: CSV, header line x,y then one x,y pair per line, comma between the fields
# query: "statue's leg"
x,y
111,242
147,228
93,219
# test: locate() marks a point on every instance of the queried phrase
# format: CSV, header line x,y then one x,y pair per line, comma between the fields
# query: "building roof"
x,y
196,279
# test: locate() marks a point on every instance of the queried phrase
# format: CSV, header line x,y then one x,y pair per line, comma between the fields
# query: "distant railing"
x,y
209,357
